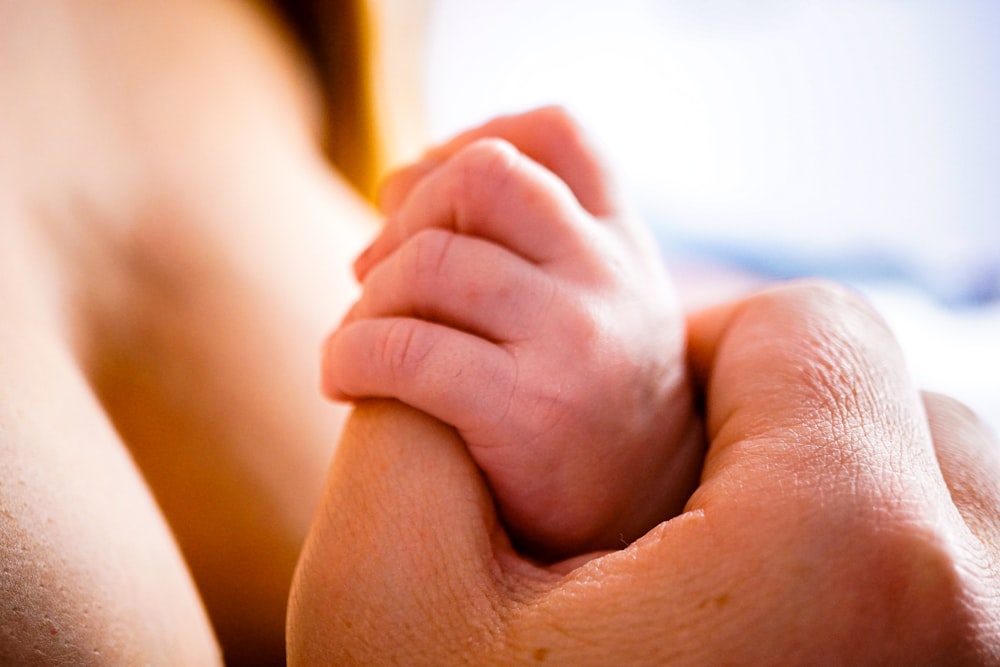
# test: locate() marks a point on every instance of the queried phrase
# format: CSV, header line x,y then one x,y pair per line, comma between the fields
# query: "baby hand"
x,y
510,296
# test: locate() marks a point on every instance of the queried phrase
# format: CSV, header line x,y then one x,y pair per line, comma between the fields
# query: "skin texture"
x,y
527,309
841,519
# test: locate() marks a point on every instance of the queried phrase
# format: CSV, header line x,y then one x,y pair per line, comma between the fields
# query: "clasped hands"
x,y
841,516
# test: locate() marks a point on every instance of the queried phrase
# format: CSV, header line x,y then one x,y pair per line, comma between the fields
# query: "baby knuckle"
x,y
484,167
426,255
403,348
559,123
547,409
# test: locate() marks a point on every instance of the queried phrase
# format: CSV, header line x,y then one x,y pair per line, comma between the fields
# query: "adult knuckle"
x,y
834,306
898,571
889,570
918,580
841,352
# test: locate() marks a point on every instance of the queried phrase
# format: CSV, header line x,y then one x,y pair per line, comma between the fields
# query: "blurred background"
x,y
853,139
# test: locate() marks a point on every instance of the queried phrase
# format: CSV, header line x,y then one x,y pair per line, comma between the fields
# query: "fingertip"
x,y
358,311
329,386
393,190
566,147
377,250
362,263
396,186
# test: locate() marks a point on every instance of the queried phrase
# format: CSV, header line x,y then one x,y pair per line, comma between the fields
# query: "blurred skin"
x,y
841,519
173,249
547,334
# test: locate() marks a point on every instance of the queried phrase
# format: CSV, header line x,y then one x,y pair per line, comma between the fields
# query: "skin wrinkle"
x,y
537,318
431,252
824,376
475,595
587,582
976,511
508,402
395,355
982,569
862,400
973,498
831,365
848,428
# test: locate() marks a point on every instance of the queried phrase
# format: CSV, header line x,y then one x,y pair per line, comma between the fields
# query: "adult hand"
x,y
840,519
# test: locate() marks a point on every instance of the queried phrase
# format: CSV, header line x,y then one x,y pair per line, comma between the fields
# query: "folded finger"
x,y
460,281
490,190
454,376
548,135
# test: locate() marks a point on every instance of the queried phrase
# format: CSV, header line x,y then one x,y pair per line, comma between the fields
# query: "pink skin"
x,y
511,297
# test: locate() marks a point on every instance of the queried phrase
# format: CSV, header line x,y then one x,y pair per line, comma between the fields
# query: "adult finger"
x,y
488,189
460,281
969,454
398,567
547,135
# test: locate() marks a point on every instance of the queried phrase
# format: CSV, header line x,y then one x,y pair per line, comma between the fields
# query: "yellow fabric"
x,y
366,53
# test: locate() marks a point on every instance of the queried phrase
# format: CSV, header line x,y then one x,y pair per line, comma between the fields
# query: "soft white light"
x,y
821,126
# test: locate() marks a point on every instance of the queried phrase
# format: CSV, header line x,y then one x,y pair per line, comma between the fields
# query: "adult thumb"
x,y
819,443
